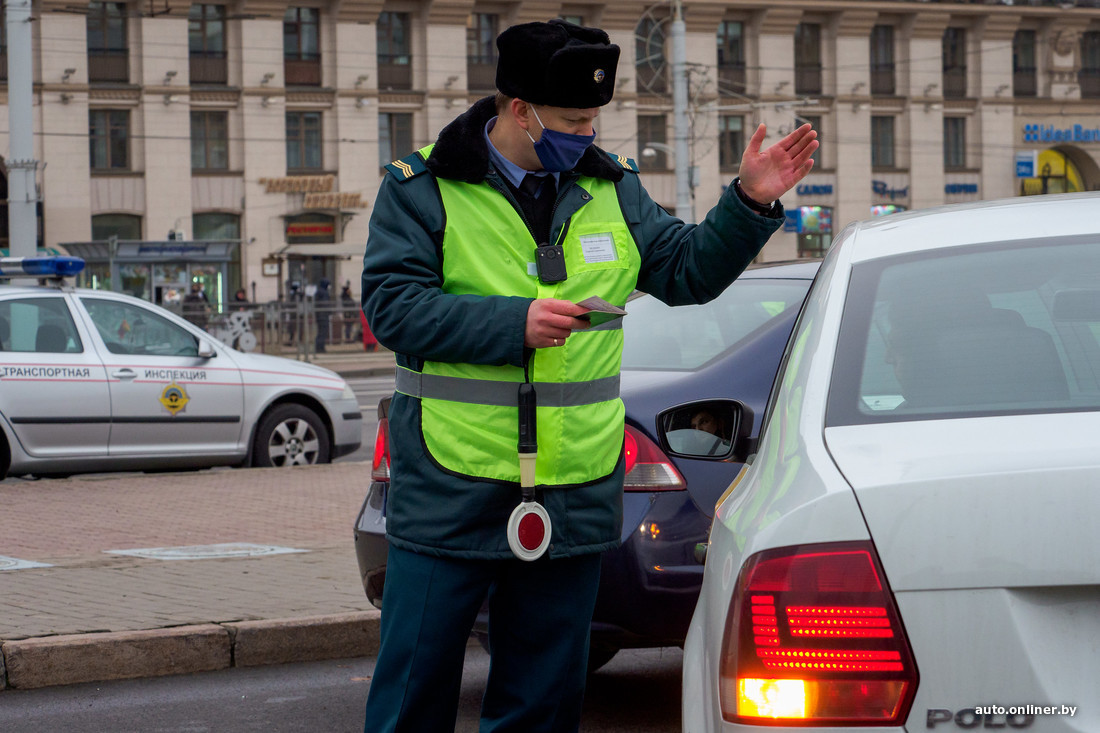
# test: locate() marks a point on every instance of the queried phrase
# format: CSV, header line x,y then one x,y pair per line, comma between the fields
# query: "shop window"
x,y
882,142
109,139
482,30
807,58
394,136
886,209
303,142
108,57
814,225
1024,77
394,35
206,44
731,57
731,141
954,63
209,141
302,46
954,143
1057,174
123,226
883,80
652,134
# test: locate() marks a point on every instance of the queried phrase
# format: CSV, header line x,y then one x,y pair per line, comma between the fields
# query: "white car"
x,y
915,543
98,381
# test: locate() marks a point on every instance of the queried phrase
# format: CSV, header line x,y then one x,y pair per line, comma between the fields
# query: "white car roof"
x,y
1013,219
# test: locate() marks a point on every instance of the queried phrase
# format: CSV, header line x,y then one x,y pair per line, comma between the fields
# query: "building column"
x,y
852,117
996,111
922,41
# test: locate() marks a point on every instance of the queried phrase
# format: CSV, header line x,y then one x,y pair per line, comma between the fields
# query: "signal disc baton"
x,y
529,525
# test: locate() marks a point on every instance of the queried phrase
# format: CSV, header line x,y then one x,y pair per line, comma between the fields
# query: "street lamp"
x,y
684,170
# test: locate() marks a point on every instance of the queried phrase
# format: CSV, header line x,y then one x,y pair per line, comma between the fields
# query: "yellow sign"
x,y
174,398
334,201
299,184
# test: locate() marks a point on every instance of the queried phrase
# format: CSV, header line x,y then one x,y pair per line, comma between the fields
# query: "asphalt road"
x,y
637,692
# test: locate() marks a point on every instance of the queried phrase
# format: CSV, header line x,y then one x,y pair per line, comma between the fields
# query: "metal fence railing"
x,y
303,328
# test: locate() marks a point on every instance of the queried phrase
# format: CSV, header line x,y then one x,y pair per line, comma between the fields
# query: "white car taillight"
x,y
813,637
380,468
647,467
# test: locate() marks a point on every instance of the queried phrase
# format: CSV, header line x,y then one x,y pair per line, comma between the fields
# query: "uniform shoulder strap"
x,y
411,166
627,164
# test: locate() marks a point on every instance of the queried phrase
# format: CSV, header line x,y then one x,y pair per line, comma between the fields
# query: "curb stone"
x,y
73,658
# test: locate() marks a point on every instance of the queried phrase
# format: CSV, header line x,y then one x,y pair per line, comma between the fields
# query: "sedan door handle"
x,y
124,374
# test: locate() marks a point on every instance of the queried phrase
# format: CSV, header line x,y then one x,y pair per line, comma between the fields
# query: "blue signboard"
x,y
792,220
1026,163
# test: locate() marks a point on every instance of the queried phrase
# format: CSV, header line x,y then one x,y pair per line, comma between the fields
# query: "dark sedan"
x,y
730,346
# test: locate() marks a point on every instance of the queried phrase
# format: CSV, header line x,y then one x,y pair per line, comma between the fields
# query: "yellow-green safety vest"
x,y
469,414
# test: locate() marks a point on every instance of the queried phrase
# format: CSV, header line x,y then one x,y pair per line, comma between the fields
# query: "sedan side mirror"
x,y
206,349
709,430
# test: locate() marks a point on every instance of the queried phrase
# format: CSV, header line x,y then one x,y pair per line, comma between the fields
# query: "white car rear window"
x,y
995,330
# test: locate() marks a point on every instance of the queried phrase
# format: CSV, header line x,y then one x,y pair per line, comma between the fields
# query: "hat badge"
x,y
598,75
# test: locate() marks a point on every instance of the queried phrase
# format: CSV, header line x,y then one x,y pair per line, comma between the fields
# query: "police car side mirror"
x,y
206,349
708,430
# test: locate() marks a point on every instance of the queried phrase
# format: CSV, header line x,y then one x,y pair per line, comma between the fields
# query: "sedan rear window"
x,y
658,336
1007,329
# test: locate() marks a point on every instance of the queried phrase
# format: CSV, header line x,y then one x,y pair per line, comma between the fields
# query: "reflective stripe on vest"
x,y
468,411
503,394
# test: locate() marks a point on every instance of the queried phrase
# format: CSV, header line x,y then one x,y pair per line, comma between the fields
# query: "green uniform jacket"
x,y
435,512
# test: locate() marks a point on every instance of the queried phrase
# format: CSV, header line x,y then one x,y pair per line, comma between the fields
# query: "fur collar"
x,y
460,152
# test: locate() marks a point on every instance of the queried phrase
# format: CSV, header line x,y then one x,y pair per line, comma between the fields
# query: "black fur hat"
x,y
557,64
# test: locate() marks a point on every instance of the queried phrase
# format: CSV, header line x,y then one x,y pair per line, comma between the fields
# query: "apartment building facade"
x,y
241,144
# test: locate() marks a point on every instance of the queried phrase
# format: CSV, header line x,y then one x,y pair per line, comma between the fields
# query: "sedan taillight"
x,y
647,467
380,468
813,637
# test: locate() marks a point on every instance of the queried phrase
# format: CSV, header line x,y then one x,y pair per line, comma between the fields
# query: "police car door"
x,y
53,388
165,398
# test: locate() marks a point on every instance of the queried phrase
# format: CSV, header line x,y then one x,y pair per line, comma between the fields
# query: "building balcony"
x,y
731,78
807,79
395,73
883,80
481,76
108,65
209,67
1089,80
1025,82
954,82
303,72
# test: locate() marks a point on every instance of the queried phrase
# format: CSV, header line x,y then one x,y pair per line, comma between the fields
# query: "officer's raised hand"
x,y
549,322
768,174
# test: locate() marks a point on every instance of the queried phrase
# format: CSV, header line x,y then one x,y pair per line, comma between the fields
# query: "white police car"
x,y
98,381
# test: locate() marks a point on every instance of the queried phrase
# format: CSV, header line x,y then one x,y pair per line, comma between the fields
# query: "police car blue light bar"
x,y
40,266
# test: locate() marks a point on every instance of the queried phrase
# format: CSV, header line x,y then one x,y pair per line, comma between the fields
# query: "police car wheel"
x,y
291,435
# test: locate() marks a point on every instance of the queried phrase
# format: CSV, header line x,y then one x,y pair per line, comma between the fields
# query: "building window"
x,y
109,139
652,131
394,136
731,141
731,57
882,60
394,35
206,43
209,141
302,46
954,142
108,58
303,141
3,46
215,227
816,123
1089,76
481,51
882,142
574,19
807,58
954,63
649,62
123,226
1024,78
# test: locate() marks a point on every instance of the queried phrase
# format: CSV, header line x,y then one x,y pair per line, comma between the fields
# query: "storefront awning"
x,y
345,249
155,251
40,252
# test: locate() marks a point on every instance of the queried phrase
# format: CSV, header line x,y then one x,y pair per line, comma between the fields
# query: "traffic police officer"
x,y
480,247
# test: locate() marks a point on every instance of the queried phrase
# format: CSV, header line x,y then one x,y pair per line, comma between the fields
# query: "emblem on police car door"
x,y
174,398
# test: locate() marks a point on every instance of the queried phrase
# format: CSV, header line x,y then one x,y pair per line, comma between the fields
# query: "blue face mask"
x,y
559,151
